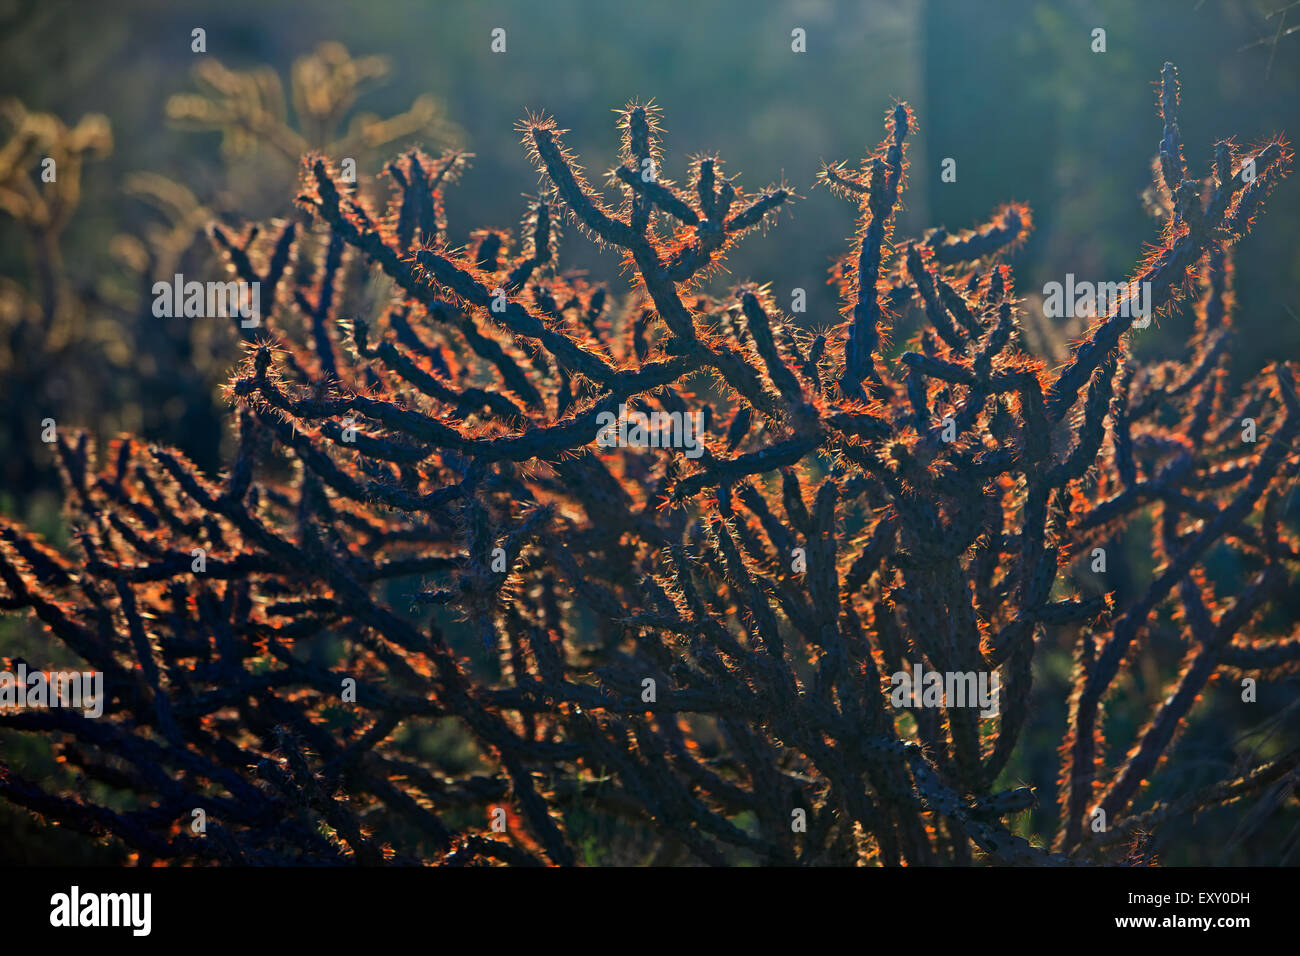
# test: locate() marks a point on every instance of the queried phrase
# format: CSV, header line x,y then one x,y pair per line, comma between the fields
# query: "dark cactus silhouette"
x,y
419,530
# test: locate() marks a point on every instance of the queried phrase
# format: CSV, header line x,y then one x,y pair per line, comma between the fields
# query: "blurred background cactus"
x,y
50,335
202,180
132,370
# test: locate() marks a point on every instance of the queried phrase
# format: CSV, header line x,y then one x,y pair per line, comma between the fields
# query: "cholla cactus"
x,y
46,330
250,107
70,342
424,526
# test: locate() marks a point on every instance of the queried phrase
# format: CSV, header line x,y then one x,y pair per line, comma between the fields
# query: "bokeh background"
x,y
1011,90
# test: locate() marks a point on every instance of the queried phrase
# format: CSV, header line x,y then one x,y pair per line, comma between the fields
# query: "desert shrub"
x,y
426,615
